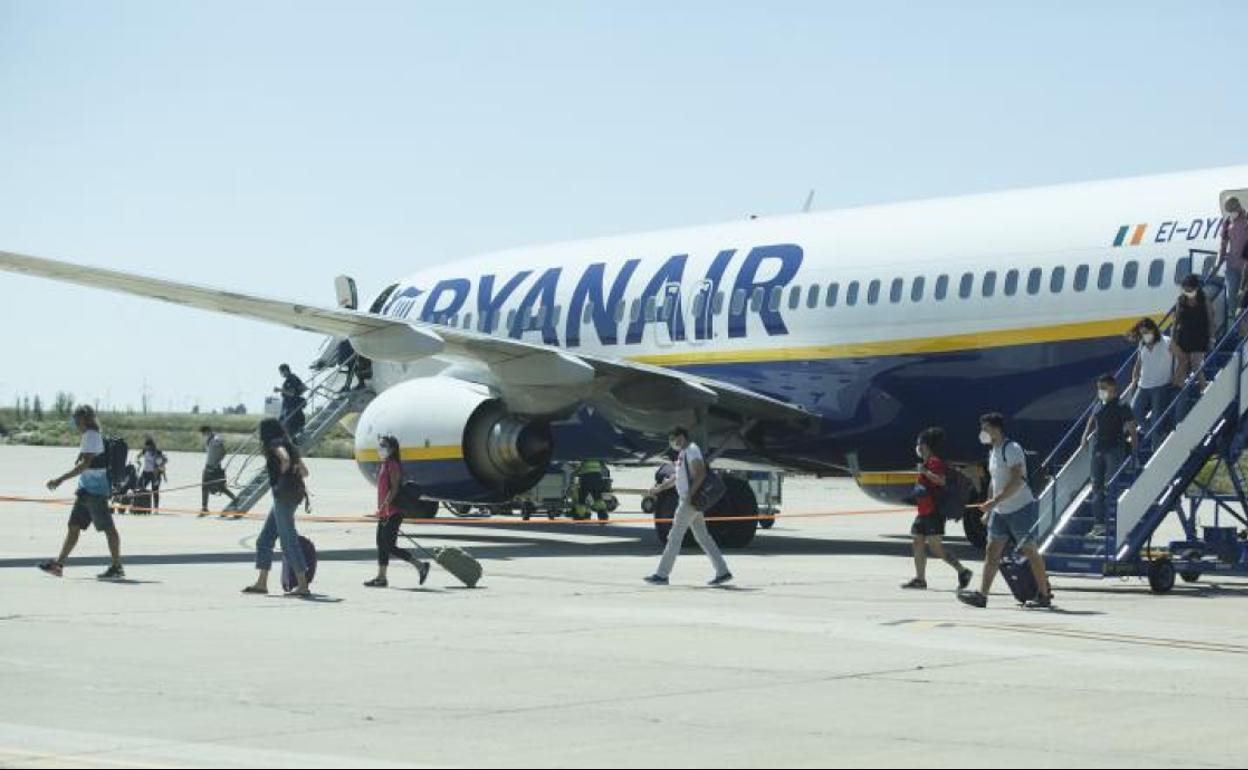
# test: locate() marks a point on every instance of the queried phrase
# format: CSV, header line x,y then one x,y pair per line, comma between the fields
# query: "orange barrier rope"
x,y
512,520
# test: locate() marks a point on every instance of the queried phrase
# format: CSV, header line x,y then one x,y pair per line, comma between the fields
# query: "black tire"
x,y
1161,576
1190,576
975,528
527,510
739,503
423,509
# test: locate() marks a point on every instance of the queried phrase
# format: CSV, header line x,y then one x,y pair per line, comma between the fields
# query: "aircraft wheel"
x,y
1161,576
738,501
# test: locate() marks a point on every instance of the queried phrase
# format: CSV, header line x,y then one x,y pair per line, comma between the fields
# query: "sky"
x,y
270,146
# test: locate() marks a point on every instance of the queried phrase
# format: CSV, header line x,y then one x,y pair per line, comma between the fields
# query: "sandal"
x,y
255,590
297,594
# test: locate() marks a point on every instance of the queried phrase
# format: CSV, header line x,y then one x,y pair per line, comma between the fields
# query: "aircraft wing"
x,y
391,339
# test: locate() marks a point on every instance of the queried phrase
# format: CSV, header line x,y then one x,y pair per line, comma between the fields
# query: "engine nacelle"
x,y
458,441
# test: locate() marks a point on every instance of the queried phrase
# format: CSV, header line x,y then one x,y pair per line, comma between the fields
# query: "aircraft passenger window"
x,y
966,286
539,319
1156,272
1130,274
795,297
990,283
650,310
1105,276
773,299
894,292
833,290
1209,263
1011,283
873,292
738,301
468,321
851,293
717,303
1057,279
667,310
1081,277
1033,280
699,303
587,316
942,288
812,297
916,289
511,319
1182,270
453,321
757,299
634,312
619,312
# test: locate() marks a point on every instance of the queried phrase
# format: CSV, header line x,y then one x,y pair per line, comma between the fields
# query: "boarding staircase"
x,y
326,407
1153,482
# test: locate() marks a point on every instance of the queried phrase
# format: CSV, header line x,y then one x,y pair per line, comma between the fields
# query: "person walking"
x,y
928,531
390,514
287,475
213,480
691,472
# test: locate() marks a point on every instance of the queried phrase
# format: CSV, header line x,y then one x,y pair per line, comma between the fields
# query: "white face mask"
x,y
383,452
985,437
674,444
1149,338
1103,395
1189,293
918,451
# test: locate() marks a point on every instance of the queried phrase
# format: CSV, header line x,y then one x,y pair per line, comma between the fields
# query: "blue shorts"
x,y
1018,525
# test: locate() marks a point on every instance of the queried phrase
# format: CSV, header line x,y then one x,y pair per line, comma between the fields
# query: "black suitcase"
x,y
1017,573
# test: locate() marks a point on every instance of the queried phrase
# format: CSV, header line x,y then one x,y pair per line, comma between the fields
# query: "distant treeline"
x,y
172,432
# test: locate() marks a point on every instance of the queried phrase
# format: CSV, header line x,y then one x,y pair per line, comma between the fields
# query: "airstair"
x,y
326,406
1170,472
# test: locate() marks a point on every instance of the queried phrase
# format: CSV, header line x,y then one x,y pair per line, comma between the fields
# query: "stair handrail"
x,y
1050,464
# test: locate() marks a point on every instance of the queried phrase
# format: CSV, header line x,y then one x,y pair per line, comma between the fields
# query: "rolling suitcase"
x,y
309,558
454,560
1017,573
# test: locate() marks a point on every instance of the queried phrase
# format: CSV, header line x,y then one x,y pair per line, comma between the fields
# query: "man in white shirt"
x,y
690,473
1013,513
91,500
1152,379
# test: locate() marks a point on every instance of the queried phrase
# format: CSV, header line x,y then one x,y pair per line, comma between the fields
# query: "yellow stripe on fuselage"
x,y
1083,330
414,454
887,479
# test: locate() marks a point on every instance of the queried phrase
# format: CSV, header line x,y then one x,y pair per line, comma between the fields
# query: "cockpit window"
x,y
380,302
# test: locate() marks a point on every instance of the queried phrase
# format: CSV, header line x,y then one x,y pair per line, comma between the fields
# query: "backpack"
x,y
955,496
116,452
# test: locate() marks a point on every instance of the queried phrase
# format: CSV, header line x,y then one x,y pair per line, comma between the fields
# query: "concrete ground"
x,y
564,658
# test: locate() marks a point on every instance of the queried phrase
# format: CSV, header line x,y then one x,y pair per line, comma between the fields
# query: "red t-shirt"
x,y
383,488
927,502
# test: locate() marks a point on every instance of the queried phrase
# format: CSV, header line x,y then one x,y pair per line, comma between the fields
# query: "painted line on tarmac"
x,y
1092,636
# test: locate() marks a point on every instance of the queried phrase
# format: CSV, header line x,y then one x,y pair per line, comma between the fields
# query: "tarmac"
x,y
563,657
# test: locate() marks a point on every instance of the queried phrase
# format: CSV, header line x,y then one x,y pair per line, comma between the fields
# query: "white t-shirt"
x,y
93,480
1156,365
684,463
1000,462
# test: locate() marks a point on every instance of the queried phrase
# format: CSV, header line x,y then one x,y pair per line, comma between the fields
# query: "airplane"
x,y
819,342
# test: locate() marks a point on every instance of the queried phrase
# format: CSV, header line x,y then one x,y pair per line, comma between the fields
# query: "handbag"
x,y
710,491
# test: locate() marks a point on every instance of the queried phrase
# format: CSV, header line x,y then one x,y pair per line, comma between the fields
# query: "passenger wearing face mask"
x,y
1152,380
690,473
1108,431
1012,513
1193,330
929,525
390,516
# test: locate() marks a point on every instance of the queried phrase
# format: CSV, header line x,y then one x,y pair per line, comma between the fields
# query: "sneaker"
x,y
1098,530
915,584
964,579
53,568
973,599
720,580
656,580
1041,602
378,582
114,572
422,567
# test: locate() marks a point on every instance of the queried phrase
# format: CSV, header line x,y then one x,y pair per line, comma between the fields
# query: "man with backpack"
x,y
214,468
91,500
938,490
1013,513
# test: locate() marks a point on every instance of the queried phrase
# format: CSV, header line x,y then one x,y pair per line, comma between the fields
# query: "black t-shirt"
x,y
1111,420
292,392
273,465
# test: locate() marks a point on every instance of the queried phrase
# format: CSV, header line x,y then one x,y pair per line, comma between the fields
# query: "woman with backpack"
x,y
929,525
286,481
152,461
390,515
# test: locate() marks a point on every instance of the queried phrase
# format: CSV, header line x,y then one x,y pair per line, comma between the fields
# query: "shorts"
x,y
214,480
931,525
91,509
1018,525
